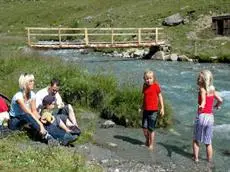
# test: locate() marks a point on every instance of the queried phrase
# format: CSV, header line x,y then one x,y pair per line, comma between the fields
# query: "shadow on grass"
x,y
129,139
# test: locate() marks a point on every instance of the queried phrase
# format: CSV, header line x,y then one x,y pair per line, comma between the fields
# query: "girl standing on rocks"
x,y
152,98
203,128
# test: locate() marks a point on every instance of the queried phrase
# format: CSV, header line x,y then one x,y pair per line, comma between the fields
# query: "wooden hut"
x,y
221,25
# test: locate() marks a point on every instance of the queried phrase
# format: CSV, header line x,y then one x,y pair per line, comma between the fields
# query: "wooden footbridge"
x,y
94,37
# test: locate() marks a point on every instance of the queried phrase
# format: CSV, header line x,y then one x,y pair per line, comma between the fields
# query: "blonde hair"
x,y
24,79
150,72
207,79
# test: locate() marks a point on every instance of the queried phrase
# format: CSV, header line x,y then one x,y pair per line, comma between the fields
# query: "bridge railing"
x,y
93,37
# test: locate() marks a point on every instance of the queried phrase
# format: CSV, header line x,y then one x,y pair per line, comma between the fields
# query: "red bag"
x,y
3,105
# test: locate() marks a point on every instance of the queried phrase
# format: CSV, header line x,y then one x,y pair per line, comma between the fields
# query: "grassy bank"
x,y
20,154
16,15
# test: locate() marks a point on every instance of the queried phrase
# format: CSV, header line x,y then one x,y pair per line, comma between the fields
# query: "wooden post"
x,y
59,36
195,48
156,39
86,37
112,37
139,36
28,37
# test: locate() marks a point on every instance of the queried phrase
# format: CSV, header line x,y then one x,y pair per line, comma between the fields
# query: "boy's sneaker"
x,y
50,140
75,130
48,137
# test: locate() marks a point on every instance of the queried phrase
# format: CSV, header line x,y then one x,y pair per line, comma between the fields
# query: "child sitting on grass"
x,y
55,126
4,115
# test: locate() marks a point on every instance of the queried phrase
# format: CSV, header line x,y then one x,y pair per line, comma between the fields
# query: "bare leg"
x,y
63,126
145,131
151,139
69,123
209,152
72,116
196,147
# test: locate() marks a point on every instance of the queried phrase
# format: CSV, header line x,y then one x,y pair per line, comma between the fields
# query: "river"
x,y
178,83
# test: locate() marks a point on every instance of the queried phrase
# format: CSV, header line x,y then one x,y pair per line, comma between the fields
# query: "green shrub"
x,y
204,57
124,106
224,58
166,120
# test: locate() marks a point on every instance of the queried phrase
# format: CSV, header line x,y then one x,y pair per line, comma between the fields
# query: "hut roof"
x,y
221,17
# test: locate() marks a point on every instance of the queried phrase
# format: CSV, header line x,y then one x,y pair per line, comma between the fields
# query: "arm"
x,y
43,120
219,100
34,110
162,112
59,101
38,101
203,99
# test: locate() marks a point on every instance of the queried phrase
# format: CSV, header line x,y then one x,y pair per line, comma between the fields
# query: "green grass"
x,y
117,13
19,154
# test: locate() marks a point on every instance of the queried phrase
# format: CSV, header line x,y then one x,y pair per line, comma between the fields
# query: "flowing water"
x,y
178,83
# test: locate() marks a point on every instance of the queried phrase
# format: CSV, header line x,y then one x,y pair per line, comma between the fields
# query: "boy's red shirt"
x,y
151,93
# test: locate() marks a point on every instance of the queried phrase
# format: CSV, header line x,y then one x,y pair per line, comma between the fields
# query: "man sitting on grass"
x,y
65,112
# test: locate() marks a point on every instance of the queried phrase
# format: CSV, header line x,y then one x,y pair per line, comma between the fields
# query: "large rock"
x,y
125,55
27,50
172,20
139,53
159,55
173,57
184,58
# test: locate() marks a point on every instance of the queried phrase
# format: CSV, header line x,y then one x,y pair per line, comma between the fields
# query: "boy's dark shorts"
x,y
149,120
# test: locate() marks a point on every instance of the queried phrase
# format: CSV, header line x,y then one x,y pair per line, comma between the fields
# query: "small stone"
x,y
108,124
104,161
214,57
112,144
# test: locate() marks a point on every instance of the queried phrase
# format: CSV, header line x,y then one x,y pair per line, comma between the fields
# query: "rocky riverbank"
x,y
155,53
118,149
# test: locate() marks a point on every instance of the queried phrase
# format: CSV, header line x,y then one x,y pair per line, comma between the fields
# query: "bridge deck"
x,y
94,37
82,46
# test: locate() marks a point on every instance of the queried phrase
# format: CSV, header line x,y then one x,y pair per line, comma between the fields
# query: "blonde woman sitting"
x,y
23,109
